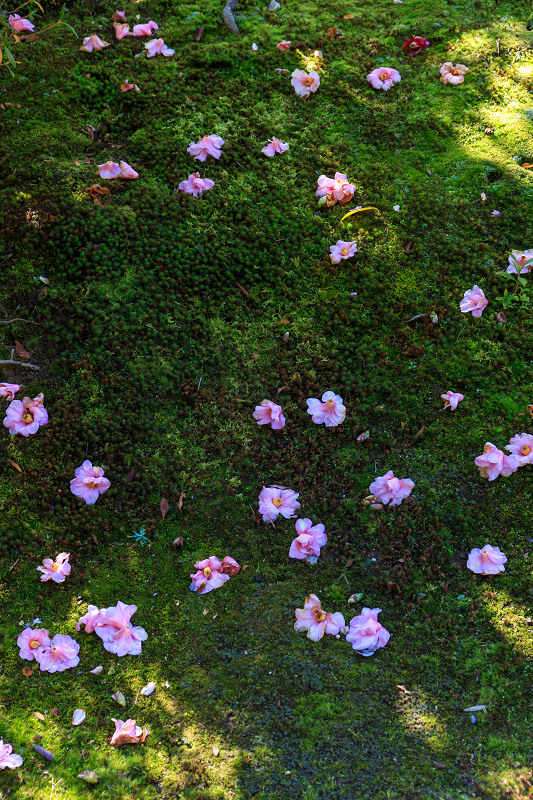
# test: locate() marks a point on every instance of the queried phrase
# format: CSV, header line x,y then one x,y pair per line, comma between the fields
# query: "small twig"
x,y
242,165
11,361
18,319
14,565
289,237
229,19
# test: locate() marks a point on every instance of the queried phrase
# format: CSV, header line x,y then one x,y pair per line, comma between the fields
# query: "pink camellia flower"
x,y
127,172
488,561
9,759
155,46
195,185
277,500
390,490
146,29
415,45
209,575
451,74
59,655
90,619
383,78
337,189
313,619
330,410
127,87
341,250
367,634
30,641
93,42
274,146
26,416
228,566
56,570
122,29
283,46
303,83
127,733
521,258
452,399
114,629
19,24
269,413
493,462
521,446
207,146
474,300
89,483
9,390
309,540
109,170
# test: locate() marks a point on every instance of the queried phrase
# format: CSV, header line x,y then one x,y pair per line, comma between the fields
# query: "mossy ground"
x,y
152,361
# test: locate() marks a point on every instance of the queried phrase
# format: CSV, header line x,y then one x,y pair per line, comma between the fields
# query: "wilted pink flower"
x,y
383,78
59,655
229,566
415,45
127,87
127,172
520,257
277,500
8,759
122,29
55,570
26,416
337,189
89,483
119,16
155,46
30,641
474,300
521,446
313,619
146,29
209,576
195,185
493,462
303,83
367,634
269,413
109,170
341,250
127,733
331,411
390,490
283,46
93,42
275,146
452,399
19,24
488,561
114,629
451,74
90,619
309,540
496,213
9,390
207,146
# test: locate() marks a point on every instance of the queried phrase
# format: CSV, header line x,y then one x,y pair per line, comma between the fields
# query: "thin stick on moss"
x,y
228,17
11,361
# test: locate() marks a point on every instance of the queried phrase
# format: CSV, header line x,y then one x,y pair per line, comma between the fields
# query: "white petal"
x,y
119,698
78,716
148,689
96,670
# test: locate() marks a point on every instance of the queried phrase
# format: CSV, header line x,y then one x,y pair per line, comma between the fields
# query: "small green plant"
x,y
521,293
140,537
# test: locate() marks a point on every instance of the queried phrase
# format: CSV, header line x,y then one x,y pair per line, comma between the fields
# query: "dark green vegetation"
x,y
143,303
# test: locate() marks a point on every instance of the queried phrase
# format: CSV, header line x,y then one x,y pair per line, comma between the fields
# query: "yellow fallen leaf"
x,y
357,210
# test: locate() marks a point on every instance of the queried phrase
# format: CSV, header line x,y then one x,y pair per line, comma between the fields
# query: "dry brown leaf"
x,y
420,432
242,290
280,390
54,712
348,16
402,688
180,501
27,672
524,166
164,507
530,409
178,542
408,246
245,566
20,350
402,425
199,33
392,586
334,33
13,464
129,476
348,563
76,164
216,751
39,715
95,190
95,540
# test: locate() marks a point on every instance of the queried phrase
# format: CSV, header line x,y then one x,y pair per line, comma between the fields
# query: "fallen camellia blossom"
x,y
19,24
488,561
118,16
89,483
195,185
59,655
155,46
493,462
313,619
8,759
9,390
303,83
122,29
337,189
109,170
274,146
474,300
30,641
127,87
383,78
127,172
93,42
146,29
78,716
330,410
366,634
89,620
208,576
283,46
520,258
114,629
451,74
452,399
228,566
521,446
390,490
127,733
207,146
415,45
276,500
26,416
309,540
56,570
269,413
341,250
